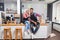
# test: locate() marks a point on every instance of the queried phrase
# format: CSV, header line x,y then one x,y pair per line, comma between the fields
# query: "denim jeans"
x,y
27,25
35,28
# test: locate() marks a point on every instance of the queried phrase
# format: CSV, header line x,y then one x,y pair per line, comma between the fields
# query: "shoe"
x,y
32,36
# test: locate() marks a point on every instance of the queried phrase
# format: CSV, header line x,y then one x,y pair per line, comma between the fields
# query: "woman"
x,y
26,21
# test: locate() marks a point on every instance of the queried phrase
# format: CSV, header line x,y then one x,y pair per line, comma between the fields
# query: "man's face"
x,y
31,11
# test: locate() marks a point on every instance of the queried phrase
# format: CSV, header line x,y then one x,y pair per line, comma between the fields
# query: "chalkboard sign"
x,y
1,6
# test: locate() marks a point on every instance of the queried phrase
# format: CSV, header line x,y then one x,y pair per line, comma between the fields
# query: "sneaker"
x,y
32,36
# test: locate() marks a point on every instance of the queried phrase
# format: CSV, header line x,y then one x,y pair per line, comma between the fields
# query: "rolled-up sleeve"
x,y
38,15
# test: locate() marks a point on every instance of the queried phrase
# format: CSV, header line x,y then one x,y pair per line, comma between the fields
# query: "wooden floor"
x,y
57,36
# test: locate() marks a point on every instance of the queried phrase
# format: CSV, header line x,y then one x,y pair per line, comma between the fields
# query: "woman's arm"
x,y
24,15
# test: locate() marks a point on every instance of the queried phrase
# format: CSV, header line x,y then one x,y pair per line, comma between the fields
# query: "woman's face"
x,y
27,11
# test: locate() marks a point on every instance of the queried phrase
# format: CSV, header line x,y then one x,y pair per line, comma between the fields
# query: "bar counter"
x,y
43,31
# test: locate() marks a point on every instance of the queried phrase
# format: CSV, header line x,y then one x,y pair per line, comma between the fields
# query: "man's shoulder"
x,y
34,12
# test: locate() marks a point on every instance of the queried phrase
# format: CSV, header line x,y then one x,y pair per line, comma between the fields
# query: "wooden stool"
x,y
16,33
7,34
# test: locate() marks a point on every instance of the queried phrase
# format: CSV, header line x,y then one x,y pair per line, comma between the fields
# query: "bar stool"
x,y
16,33
7,34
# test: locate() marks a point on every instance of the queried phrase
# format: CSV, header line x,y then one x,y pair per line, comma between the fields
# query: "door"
x,y
58,13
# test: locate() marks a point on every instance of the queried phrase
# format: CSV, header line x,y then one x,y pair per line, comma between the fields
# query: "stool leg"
x,y
21,34
10,36
5,32
16,33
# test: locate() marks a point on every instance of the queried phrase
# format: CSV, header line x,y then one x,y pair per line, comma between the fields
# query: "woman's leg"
x,y
27,25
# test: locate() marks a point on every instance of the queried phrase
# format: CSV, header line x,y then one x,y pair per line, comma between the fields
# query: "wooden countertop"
x,y
20,24
44,24
12,24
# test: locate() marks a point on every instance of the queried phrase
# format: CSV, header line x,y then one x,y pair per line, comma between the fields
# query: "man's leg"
x,y
36,28
31,28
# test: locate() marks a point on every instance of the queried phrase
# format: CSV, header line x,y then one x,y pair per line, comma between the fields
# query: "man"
x,y
33,21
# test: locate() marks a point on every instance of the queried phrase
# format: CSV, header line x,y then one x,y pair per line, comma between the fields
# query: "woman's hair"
x,y
25,10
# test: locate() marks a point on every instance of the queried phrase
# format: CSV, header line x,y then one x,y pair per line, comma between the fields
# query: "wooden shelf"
x,y
16,15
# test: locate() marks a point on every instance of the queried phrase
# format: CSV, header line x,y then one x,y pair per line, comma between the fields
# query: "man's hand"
x,y
32,21
35,23
29,19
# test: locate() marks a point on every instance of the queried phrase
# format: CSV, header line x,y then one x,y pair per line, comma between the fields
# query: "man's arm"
x,y
39,17
32,21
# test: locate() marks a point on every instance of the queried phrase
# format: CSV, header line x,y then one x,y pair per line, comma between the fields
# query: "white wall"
x,y
1,1
10,6
0,17
18,6
39,7
56,12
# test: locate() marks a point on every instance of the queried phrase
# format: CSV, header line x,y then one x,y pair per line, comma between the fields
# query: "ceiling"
x,y
1,1
9,1
47,1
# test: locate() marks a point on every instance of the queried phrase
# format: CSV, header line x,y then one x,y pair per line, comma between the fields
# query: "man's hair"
x,y
31,8
11,15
